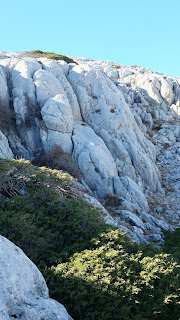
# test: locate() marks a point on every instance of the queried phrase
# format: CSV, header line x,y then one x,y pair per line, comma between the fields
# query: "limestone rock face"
x,y
24,294
60,70
119,123
24,101
94,159
103,107
47,86
57,116
4,94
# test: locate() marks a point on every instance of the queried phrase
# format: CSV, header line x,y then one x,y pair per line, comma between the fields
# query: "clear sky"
x,y
130,32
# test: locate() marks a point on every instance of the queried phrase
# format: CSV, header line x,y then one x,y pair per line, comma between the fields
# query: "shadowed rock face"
x,y
24,294
109,117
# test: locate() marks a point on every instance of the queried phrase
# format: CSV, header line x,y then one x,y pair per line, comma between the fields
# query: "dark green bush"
x,y
116,281
90,267
172,243
48,229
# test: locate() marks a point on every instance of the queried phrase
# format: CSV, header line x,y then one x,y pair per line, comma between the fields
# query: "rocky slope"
x,y
120,124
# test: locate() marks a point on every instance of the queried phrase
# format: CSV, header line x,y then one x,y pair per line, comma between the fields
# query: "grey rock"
x,y
24,294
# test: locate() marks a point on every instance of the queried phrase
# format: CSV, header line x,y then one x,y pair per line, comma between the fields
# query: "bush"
x,y
116,281
57,159
49,229
49,55
92,268
172,243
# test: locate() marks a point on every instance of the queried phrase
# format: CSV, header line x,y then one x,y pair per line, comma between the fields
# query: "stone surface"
x,y
5,150
58,123
103,107
24,294
93,159
121,125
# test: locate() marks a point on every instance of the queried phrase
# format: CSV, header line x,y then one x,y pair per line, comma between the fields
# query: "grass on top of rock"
x,y
49,55
95,270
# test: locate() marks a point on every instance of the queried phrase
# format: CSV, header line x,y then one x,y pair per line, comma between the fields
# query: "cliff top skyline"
x,y
132,33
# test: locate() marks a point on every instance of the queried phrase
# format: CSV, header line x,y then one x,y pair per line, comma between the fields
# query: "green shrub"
x,y
48,228
172,243
92,268
116,281
49,55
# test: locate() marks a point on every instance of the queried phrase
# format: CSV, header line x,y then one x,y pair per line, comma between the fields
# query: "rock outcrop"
x,y
24,294
120,124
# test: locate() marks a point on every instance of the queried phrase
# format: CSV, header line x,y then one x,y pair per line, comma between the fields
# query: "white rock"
x,y
125,72
5,150
47,86
151,84
166,91
104,109
176,109
24,293
56,69
24,97
4,94
58,119
126,188
131,218
57,114
93,159
24,101
64,66
51,138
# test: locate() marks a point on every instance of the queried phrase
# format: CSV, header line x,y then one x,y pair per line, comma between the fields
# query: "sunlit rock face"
x,y
24,294
119,123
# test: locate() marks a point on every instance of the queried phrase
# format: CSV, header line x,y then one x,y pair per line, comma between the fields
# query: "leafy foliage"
x,y
48,228
92,268
116,281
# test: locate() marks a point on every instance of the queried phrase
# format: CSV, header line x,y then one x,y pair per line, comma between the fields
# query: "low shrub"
x,y
49,55
48,229
172,243
115,280
57,159
92,268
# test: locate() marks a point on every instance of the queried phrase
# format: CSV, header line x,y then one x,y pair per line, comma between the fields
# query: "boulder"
x,y
58,120
56,69
47,86
93,159
24,294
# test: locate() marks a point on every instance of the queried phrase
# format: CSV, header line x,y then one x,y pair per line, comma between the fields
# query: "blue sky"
x,y
133,32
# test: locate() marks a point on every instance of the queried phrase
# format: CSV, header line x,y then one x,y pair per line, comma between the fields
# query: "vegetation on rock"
x,y
95,270
56,158
48,55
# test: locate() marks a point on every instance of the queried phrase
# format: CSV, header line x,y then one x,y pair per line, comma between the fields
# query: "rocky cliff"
x,y
120,125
